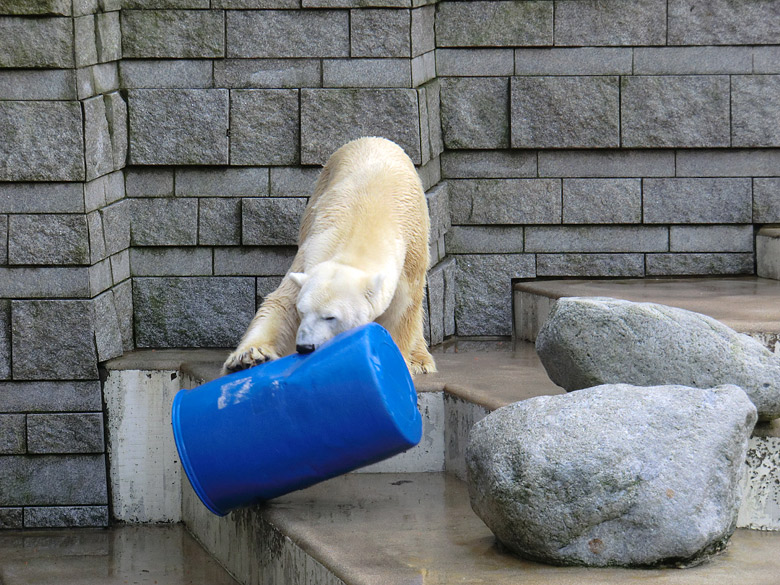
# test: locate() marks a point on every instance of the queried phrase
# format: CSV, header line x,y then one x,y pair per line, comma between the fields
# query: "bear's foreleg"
x,y
271,334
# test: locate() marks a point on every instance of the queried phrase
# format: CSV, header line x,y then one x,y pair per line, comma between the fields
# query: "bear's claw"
x,y
242,359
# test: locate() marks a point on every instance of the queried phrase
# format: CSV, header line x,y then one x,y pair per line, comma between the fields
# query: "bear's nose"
x,y
304,348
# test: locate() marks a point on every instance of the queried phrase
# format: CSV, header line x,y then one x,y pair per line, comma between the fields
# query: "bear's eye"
x,y
329,318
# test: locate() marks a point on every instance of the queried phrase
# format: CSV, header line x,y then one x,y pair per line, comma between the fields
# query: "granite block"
x,y
484,284
85,47
602,201
164,222
270,73
766,200
565,112
267,33
39,396
108,36
222,182
591,265
738,162
711,238
178,126
576,61
378,32
256,261
66,517
766,59
12,434
699,264
332,117
178,34
44,282
116,226
192,312
675,111
264,127
596,239
41,141
293,181
97,239
166,73
697,200
490,164
65,433
474,62
505,201
116,114
462,239
438,200
3,239
606,164
42,329
170,262
494,24
48,239
610,22
108,336
36,42
723,22
219,222
366,73
693,60
42,7
99,152
123,301
755,101
37,84
5,340
11,518
271,221
50,480
474,112
423,30
41,198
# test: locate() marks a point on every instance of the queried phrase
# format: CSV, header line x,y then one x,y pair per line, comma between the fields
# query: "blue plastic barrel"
x,y
290,423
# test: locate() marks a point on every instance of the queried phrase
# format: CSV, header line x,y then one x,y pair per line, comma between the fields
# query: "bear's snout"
x,y
304,348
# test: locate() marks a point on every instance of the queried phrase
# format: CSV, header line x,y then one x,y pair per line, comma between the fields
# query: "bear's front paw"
x,y
247,357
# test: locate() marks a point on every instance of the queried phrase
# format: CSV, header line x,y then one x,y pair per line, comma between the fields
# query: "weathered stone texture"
x,y
108,336
5,340
565,112
254,261
366,73
44,282
3,239
54,480
675,111
41,198
697,200
219,222
609,163
715,238
84,41
272,221
166,73
41,141
728,163
41,396
65,433
293,181
149,182
723,22
333,117
755,100
480,164
65,516
53,340
268,33
48,239
590,265
164,222
610,22
505,201
615,462
579,61
222,182
603,239
475,112
99,151
494,24
692,60
376,32
192,312
170,261
474,62
172,33
271,73
12,434
602,201
43,7
588,341
264,127
766,200
484,284
184,126
37,42
701,264
34,84
11,518
463,239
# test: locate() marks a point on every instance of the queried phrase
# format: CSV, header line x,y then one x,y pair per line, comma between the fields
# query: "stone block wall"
x,y
156,156
605,139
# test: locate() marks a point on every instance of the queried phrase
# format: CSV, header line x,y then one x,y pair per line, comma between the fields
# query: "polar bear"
x,y
362,257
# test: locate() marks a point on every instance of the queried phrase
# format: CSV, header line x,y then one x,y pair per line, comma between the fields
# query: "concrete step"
x,y
747,304
412,522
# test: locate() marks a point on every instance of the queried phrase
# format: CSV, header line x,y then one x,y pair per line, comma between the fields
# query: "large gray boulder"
x,y
613,475
591,341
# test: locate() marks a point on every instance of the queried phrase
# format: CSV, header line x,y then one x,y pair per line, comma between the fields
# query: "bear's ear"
x,y
299,278
375,285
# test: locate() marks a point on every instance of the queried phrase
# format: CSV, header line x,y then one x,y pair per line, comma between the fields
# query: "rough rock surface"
x,y
613,475
591,341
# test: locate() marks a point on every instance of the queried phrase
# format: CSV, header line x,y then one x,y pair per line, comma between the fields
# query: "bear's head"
x,y
333,298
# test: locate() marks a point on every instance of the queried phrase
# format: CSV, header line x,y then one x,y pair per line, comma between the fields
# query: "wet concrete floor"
x,y
125,555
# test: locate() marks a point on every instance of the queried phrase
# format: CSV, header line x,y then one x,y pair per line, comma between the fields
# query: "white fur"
x,y
362,257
